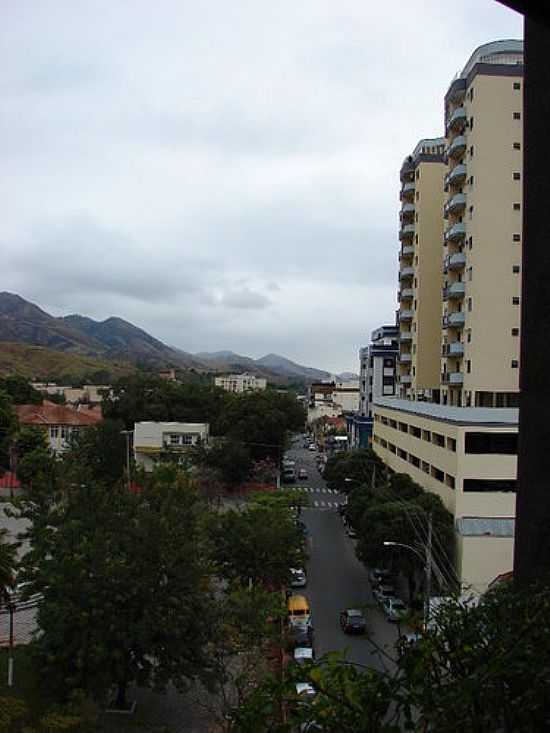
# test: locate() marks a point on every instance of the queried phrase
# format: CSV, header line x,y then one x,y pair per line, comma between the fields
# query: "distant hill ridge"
x,y
114,339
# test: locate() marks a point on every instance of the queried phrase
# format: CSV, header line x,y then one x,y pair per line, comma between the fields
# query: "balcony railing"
x,y
407,212
405,336
405,358
407,250
457,90
406,315
456,176
455,205
406,232
455,291
456,233
454,320
406,294
406,272
457,120
456,261
407,191
405,378
454,349
457,147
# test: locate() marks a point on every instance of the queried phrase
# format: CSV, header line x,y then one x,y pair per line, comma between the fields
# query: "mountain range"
x,y
117,340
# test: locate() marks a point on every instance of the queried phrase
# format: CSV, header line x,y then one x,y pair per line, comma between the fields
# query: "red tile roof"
x,y
49,413
9,481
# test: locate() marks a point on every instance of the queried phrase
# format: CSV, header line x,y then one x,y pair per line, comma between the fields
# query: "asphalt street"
x,y
336,579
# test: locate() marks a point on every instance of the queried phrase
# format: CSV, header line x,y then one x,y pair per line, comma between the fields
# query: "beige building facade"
x,y
420,277
482,241
241,382
468,457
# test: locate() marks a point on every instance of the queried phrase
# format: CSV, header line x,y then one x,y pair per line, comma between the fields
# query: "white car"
x,y
304,688
298,579
395,609
383,592
303,654
312,447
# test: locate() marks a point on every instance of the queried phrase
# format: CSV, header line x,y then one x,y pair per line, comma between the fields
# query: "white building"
x,y
152,439
241,382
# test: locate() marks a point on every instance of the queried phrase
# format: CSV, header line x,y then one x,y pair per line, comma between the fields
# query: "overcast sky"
x,y
223,174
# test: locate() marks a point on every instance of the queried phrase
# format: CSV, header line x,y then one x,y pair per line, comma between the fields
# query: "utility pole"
x,y
428,589
11,608
127,433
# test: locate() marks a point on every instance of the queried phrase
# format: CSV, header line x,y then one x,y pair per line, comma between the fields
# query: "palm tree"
x,y
7,566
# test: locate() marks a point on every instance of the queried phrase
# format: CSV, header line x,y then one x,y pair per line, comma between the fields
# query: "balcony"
x,y
457,147
405,378
407,211
456,233
457,120
456,379
406,315
455,205
405,358
454,320
406,294
405,336
406,232
457,90
456,291
406,272
457,261
407,250
407,171
407,191
454,350
457,176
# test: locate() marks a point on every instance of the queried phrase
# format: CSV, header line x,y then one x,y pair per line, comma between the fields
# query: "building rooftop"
x,y
460,415
508,51
50,413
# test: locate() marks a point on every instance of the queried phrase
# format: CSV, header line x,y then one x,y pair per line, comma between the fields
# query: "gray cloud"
x,y
223,175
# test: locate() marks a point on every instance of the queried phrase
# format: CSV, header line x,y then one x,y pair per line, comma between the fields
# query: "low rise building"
x,y
152,440
468,457
241,382
59,422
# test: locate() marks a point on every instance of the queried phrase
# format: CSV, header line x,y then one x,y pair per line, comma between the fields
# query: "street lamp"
x,y
427,559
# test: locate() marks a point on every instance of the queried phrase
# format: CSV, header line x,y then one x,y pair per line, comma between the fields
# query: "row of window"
x,y
475,442
469,484
62,431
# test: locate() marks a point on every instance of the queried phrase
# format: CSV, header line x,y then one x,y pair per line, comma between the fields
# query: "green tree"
x,y
97,453
260,543
8,425
124,584
230,458
20,390
8,564
358,466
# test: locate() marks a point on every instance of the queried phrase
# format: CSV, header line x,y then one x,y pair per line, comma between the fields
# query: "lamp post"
x,y
127,433
427,560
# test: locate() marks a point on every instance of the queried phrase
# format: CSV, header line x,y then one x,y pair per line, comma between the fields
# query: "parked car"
x,y
395,609
377,576
302,473
299,579
300,634
312,447
303,654
353,621
304,688
382,592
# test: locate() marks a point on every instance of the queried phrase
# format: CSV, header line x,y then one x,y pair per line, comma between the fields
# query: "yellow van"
x,y
298,609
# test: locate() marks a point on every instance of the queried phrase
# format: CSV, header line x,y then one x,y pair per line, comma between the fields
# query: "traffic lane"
x,y
337,580
306,459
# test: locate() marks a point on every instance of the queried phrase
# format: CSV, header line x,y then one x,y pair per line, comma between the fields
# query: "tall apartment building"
x,y
420,278
482,242
460,441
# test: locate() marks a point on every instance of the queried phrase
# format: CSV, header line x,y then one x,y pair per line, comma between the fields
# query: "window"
x,y
387,381
438,439
468,366
414,460
413,430
393,424
517,146
426,435
469,271
516,238
492,443
471,123
515,269
425,467
471,180
417,175
437,474
517,207
515,300
471,93
471,151
174,439
450,481
515,332
517,85
402,454
470,242
514,364
65,432
469,335
403,427
517,115
517,176
54,431
469,304
473,484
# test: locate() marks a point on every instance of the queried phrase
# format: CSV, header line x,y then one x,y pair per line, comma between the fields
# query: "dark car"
x,y
300,634
353,621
